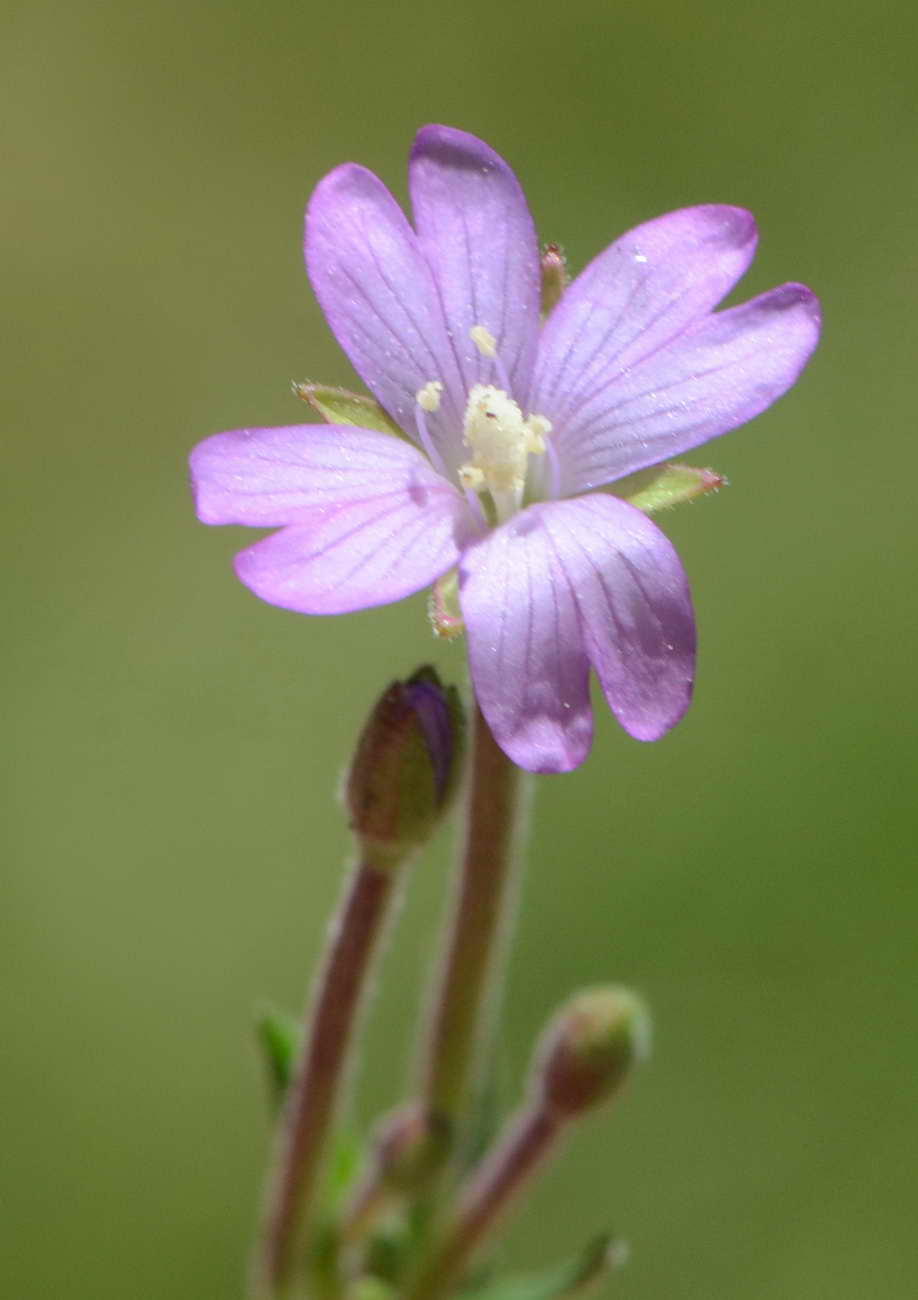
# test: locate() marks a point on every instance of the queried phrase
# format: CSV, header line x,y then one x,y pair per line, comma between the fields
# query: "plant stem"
x,y
309,1108
527,1141
477,926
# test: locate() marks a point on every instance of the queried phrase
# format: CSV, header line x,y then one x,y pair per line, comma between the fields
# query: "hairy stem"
x,y
309,1109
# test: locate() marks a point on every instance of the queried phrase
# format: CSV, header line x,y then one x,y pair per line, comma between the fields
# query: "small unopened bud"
x,y
590,1047
554,276
411,1145
406,767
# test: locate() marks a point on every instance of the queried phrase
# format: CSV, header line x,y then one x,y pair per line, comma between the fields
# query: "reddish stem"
x,y
309,1109
497,1181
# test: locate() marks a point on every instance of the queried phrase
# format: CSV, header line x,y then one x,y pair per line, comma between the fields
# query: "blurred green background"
x,y
174,745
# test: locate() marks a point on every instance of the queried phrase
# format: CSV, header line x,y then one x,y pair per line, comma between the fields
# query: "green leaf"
x,y
344,1162
573,1277
278,1037
370,1288
665,486
338,406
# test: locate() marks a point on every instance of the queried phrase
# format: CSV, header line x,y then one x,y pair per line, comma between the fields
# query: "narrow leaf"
x,y
278,1037
573,1277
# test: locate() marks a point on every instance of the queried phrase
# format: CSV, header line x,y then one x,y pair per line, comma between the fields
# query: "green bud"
x,y
555,278
406,767
590,1047
665,486
338,406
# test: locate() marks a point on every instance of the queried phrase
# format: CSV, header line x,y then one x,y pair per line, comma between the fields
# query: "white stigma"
x,y
501,441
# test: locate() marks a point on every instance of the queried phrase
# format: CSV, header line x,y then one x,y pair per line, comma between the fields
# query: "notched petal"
x,y
478,237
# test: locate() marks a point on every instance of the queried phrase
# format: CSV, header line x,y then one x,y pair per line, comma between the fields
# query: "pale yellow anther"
x,y
470,476
428,397
484,340
540,429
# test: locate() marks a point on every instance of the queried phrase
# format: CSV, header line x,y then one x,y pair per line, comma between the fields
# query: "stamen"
x,y
484,340
486,344
501,439
472,478
428,399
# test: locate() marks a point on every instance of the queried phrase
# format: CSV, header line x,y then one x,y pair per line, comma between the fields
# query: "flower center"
x,y
499,437
501,442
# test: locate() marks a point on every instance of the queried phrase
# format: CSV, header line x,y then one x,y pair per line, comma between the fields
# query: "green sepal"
x,y
338,406
555,277
665,486
573,1277
443,607
278,1036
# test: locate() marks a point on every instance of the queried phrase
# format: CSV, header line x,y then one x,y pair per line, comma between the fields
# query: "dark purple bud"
x,y
406,767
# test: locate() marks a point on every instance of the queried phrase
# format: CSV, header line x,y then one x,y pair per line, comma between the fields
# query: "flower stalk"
x,y
399,785
477,928
585,1055
504,1174
306,1121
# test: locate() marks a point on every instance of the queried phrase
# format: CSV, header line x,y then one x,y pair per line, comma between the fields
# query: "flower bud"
x,y
554,276
406,767
411,1145
590,1047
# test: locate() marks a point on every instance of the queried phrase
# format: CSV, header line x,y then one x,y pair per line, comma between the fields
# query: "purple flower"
x,y
513,433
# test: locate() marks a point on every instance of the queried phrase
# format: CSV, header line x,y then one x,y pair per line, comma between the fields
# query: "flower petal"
x,y
478,236
526,652
360,553
636,296
561,583
379,296
635,608
266,477
718,374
